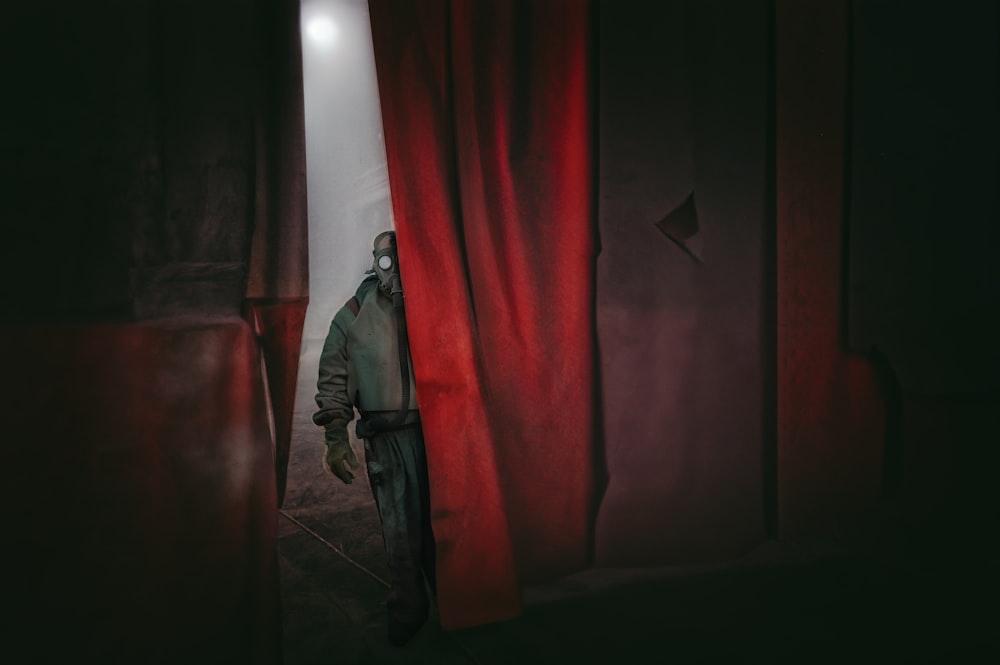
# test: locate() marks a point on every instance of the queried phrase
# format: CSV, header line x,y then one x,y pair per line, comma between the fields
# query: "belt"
x,y
373,422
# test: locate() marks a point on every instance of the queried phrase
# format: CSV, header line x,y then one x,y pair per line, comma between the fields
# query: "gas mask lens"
x,y
387,271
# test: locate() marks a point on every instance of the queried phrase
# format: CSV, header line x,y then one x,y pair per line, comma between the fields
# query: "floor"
x,y
778,604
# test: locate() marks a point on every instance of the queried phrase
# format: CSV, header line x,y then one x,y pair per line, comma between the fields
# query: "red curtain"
x,y
139,494
486,108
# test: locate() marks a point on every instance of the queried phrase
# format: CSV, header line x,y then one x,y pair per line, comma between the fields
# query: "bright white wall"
x,y
348,186
348,199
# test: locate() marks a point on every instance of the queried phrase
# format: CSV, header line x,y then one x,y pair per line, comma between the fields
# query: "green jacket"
x,y
359,365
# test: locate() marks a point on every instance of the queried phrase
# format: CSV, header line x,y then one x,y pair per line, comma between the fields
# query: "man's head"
x,y
386,262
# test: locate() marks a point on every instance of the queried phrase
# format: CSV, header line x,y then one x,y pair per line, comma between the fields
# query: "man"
x,y
365,364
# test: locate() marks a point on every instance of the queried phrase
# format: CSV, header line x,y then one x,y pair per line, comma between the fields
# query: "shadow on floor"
x,y
776,605
843,610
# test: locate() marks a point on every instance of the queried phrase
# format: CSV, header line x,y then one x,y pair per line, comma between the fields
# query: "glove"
x,y
339,454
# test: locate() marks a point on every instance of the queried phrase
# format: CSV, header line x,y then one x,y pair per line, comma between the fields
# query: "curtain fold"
x,y
143,502
486,109
277,290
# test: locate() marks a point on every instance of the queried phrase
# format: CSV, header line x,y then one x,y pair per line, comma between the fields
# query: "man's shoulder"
x,y
368,285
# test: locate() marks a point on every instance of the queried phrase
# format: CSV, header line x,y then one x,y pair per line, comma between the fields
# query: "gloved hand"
x,y
339,454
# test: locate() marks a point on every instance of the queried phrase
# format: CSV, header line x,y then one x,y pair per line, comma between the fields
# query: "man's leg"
x,y
428,551
397,472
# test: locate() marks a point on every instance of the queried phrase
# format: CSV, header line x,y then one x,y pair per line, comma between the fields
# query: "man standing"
x,y
365,364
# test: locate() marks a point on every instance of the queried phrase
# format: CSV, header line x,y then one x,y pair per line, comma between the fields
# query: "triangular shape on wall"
x,y
681,226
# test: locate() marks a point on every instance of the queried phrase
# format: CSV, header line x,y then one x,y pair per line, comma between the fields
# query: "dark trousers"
x,y
397,471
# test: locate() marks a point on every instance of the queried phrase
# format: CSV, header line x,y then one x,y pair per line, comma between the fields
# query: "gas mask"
x,y
386,268
386,265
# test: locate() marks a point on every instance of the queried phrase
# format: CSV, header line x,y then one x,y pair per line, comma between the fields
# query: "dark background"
x,y
828,375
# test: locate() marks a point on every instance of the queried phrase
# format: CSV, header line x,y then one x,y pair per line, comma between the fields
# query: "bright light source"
x,y
322,30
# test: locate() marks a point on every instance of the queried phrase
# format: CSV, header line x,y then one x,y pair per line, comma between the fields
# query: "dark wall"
x,y
129,156
141,501
886,161
129,148
921,287
683,108
924,170
830,407
828,372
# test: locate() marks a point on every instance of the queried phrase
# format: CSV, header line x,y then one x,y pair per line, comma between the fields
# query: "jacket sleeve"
x,y
335,406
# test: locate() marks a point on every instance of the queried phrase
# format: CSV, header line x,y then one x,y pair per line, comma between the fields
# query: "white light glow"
x,y
322,30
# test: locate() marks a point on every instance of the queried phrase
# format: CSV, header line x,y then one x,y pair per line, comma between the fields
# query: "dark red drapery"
x,y
140,498
487,122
